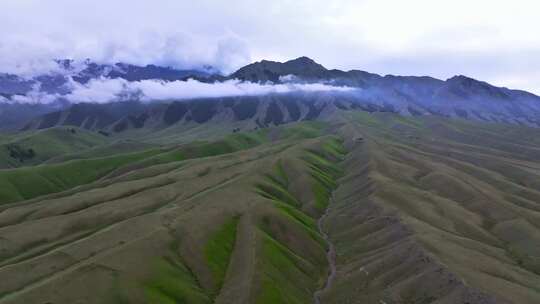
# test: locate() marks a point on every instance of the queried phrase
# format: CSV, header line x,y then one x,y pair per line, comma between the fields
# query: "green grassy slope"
x,y
198,221
293,264
29,182
104,150
421,210
26,183
218,250
173,283
47,144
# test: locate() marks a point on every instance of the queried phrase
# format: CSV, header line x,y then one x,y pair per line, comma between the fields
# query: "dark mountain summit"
x,y
265,70
467,87
132,72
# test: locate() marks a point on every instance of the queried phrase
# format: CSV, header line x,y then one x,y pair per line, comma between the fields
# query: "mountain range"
x,y
57,80
459,96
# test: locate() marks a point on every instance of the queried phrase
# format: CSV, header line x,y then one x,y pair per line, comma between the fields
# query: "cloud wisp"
x,y
104,90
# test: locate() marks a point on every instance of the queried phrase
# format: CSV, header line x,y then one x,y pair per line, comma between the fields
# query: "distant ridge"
x,y
459,97
83,72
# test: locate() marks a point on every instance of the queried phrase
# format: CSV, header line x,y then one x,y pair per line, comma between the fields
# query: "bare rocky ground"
x,y
330,256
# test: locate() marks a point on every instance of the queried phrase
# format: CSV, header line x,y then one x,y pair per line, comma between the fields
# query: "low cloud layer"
x,y
105,90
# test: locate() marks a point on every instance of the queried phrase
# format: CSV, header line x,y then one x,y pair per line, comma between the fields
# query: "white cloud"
x,y
33,97
288,78
106,90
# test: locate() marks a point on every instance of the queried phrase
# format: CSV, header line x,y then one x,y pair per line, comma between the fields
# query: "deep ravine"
x,y
330,255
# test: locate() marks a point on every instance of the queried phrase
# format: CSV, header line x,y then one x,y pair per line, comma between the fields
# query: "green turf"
x,y
274,191
49,143
25,183
308,129
29,182
173,283
218,251
324,171
288,275
285,275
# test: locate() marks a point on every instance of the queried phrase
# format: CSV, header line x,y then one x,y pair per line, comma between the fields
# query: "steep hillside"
x,y
14,116
248,112
86,115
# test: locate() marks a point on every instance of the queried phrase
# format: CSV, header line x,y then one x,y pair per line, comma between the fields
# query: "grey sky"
x,y
496,41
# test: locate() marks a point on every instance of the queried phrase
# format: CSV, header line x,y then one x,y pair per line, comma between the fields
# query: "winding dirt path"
x,y
330,255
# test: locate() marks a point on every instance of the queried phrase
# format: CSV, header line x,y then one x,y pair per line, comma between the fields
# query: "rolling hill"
x,y
396,190
421,209
33,148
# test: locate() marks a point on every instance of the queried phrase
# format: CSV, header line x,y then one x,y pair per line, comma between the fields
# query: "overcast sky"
x,y
496,41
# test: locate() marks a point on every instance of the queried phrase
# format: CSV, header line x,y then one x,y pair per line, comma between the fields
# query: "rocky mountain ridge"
x,y
459,96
